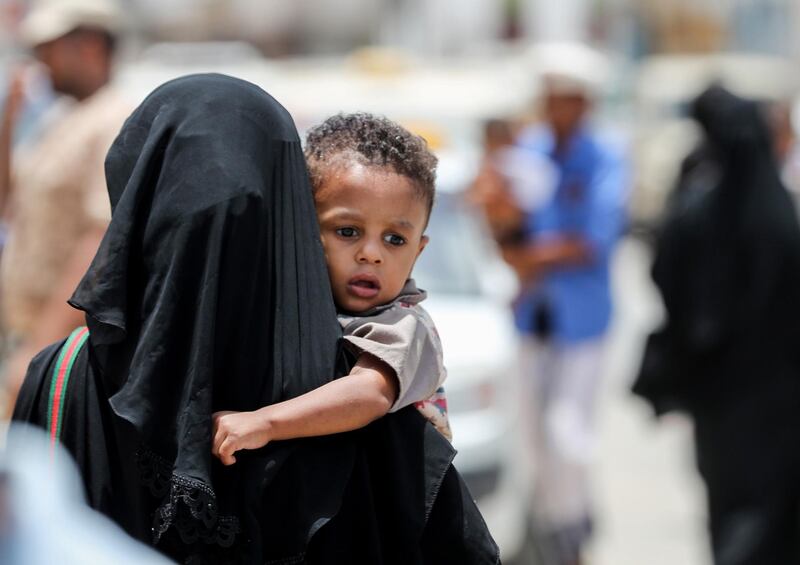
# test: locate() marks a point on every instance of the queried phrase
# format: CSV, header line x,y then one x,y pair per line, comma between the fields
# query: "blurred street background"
x,y
444,68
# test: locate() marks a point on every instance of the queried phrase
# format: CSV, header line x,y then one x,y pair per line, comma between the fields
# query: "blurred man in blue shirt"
x,y
562,253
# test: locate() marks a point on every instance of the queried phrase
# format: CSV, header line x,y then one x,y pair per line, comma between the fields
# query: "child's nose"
x,y
369,253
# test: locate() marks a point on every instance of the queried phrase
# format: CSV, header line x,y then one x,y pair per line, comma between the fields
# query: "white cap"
x,y
50,19
570,68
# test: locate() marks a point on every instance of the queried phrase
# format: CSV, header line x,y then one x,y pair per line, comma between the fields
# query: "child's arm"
x,y
345,404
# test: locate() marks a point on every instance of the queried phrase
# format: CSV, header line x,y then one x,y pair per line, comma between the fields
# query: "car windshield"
x,y
451,261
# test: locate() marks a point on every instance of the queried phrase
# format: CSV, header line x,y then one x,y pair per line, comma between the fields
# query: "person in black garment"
x,y
727,264
210,292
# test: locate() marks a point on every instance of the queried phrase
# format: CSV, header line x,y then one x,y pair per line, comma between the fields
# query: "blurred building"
x,y
454,27
767,26
327,26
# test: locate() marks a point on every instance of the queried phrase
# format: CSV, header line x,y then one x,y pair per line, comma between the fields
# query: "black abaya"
x,y
728,268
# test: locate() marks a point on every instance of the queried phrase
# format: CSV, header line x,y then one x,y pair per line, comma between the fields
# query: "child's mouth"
x,y
364,286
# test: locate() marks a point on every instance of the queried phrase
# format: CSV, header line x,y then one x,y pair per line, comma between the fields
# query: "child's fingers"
x,y
218,439
219,431
219,436
226,451
216,417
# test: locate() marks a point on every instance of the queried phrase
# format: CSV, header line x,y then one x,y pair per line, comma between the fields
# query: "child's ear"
x,y
423,241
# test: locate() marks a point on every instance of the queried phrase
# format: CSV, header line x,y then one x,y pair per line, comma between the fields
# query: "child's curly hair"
x,y
371,141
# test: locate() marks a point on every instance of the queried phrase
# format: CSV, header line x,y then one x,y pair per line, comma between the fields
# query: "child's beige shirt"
x,y
402,335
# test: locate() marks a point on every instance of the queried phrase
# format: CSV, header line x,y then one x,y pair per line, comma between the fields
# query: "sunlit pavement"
x,y
649,499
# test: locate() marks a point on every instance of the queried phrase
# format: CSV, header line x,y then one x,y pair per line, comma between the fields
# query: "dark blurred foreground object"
x,y
728,267
44,518
209,292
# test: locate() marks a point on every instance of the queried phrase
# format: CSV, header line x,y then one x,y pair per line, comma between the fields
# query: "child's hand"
x,y
233,431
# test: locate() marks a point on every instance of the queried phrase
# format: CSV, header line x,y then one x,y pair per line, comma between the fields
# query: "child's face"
x,y
371,221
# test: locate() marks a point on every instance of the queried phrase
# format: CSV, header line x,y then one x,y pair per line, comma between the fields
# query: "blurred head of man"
x,y
572,75
75,40
564,110
79,63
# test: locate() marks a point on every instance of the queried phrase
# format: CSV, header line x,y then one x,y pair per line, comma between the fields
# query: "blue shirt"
x,y
588,202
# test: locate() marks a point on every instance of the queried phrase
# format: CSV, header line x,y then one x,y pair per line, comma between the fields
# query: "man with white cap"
x,y
58,205
562,259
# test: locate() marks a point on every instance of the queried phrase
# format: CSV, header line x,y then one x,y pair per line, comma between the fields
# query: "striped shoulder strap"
x,y
58,384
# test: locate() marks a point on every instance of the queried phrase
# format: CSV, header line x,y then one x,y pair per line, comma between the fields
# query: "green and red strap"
x,y
58,385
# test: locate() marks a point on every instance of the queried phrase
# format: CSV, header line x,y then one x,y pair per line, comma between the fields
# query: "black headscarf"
x,y
209,290
728,267
212,264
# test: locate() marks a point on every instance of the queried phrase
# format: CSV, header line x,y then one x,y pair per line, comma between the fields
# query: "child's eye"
x,y
347,232
394,239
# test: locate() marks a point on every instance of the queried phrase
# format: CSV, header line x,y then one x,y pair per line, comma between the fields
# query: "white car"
x,y
469,292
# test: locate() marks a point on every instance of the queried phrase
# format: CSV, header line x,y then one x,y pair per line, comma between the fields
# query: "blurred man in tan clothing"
x,y
58,205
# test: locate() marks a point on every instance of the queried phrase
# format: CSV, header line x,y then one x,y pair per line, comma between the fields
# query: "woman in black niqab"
x,y
209,292
728,268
